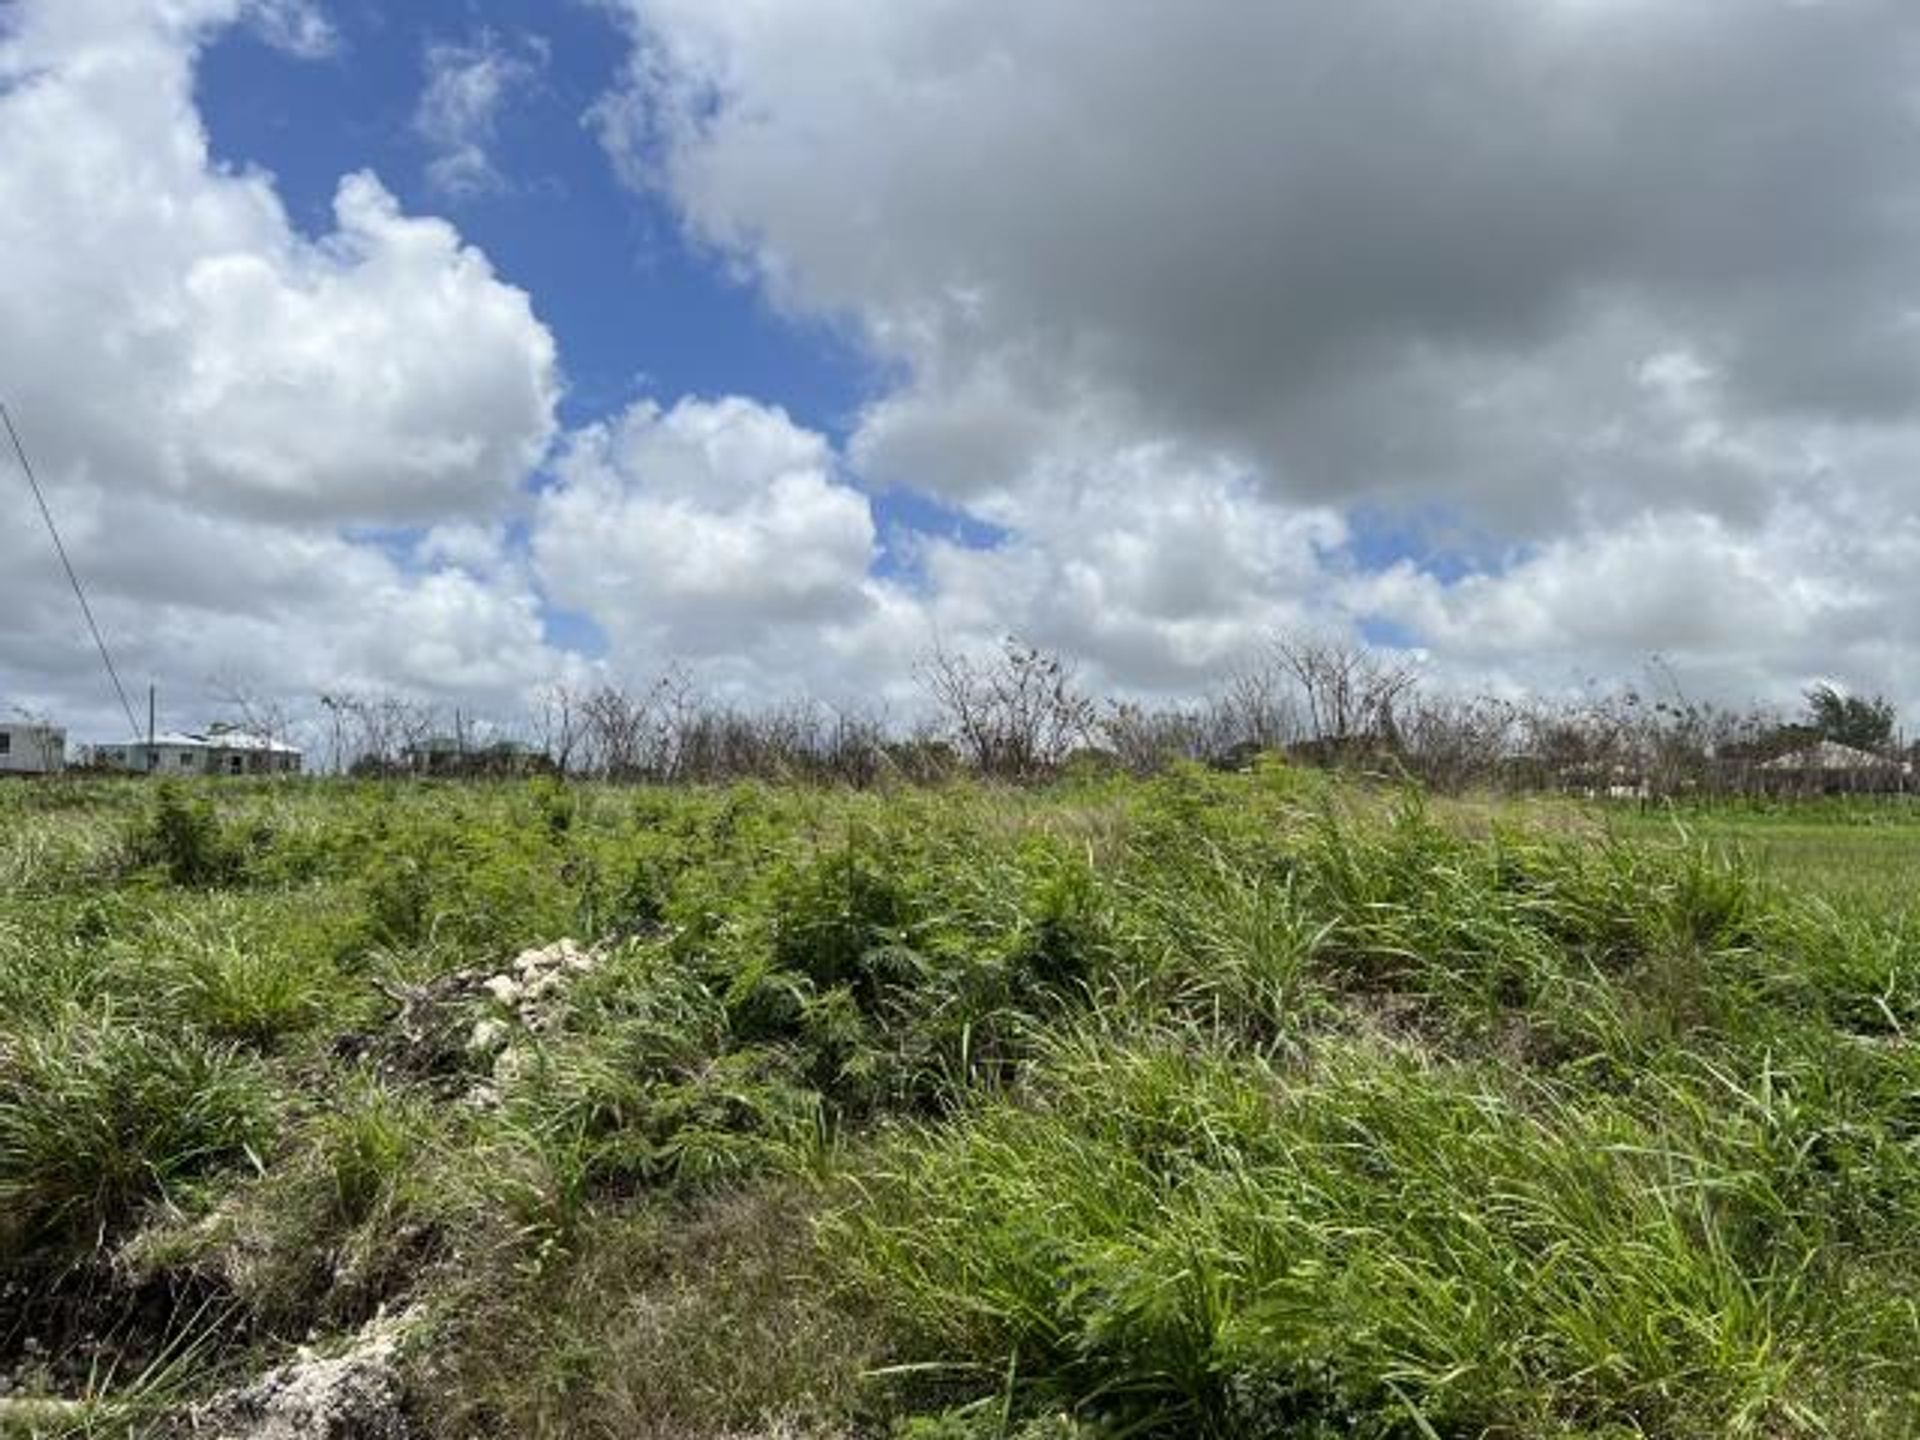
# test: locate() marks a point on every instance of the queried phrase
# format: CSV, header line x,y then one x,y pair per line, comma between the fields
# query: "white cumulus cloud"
x,y
222,409
717,531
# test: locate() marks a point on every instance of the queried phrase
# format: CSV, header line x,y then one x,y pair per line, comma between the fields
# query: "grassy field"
x,y
1248,1105
1857,853
1862,853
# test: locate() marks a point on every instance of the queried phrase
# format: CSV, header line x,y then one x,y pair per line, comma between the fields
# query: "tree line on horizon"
x,y
1020,713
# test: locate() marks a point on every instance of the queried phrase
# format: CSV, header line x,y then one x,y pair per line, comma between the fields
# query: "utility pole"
x,y
152,707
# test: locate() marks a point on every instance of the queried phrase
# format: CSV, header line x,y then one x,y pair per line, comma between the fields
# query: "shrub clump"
x,y
183,837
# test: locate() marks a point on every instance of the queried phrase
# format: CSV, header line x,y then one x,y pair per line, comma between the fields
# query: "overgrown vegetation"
x,y
1232,1104
1021,713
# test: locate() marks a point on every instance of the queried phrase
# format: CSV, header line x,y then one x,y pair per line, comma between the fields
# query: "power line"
x,y
73,578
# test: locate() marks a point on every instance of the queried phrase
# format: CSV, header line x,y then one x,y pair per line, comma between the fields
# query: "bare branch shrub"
x,y
374,734
1454,743
1255,709
558,725
1015,716
1145,741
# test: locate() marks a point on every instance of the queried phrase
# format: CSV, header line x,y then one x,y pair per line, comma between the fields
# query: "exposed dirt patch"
x,y
91,1330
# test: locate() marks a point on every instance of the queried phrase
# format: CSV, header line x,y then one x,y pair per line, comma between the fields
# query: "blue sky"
x,y
636,309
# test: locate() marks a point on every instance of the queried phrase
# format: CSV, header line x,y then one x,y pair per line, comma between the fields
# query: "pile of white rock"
x,y
524,995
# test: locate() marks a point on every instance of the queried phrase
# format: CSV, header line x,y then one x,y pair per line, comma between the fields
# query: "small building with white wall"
x,y
28,747
240,752
218,752
168,753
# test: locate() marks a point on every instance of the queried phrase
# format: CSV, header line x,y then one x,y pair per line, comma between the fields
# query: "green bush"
x,y
182,836
239,986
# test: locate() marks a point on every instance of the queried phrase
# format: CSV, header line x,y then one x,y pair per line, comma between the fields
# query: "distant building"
x,y
220,751
30,748
1829,766
239,752
451,756
435,755
1831,755
168,753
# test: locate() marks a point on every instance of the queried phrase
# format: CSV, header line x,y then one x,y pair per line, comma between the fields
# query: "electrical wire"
x,y
73,578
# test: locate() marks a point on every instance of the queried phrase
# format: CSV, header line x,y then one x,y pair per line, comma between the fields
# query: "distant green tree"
x,y
1850,719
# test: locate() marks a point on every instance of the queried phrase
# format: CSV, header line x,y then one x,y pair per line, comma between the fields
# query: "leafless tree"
x,y
1017,712
557,725
1145,740
853,747
1348,691
254,709
375,733
1255,709
1452,742
613,727
1016,715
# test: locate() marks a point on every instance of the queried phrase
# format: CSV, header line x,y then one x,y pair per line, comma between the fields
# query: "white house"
x,y
30,748
168,753
240,752
220,751
1829,767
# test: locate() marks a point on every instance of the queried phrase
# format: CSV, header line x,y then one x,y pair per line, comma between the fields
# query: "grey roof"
x,y
1831,755
214,740
244,740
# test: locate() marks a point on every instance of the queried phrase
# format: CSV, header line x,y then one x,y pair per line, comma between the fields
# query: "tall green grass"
x,y
1238,1105
1178,1240
100,1114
